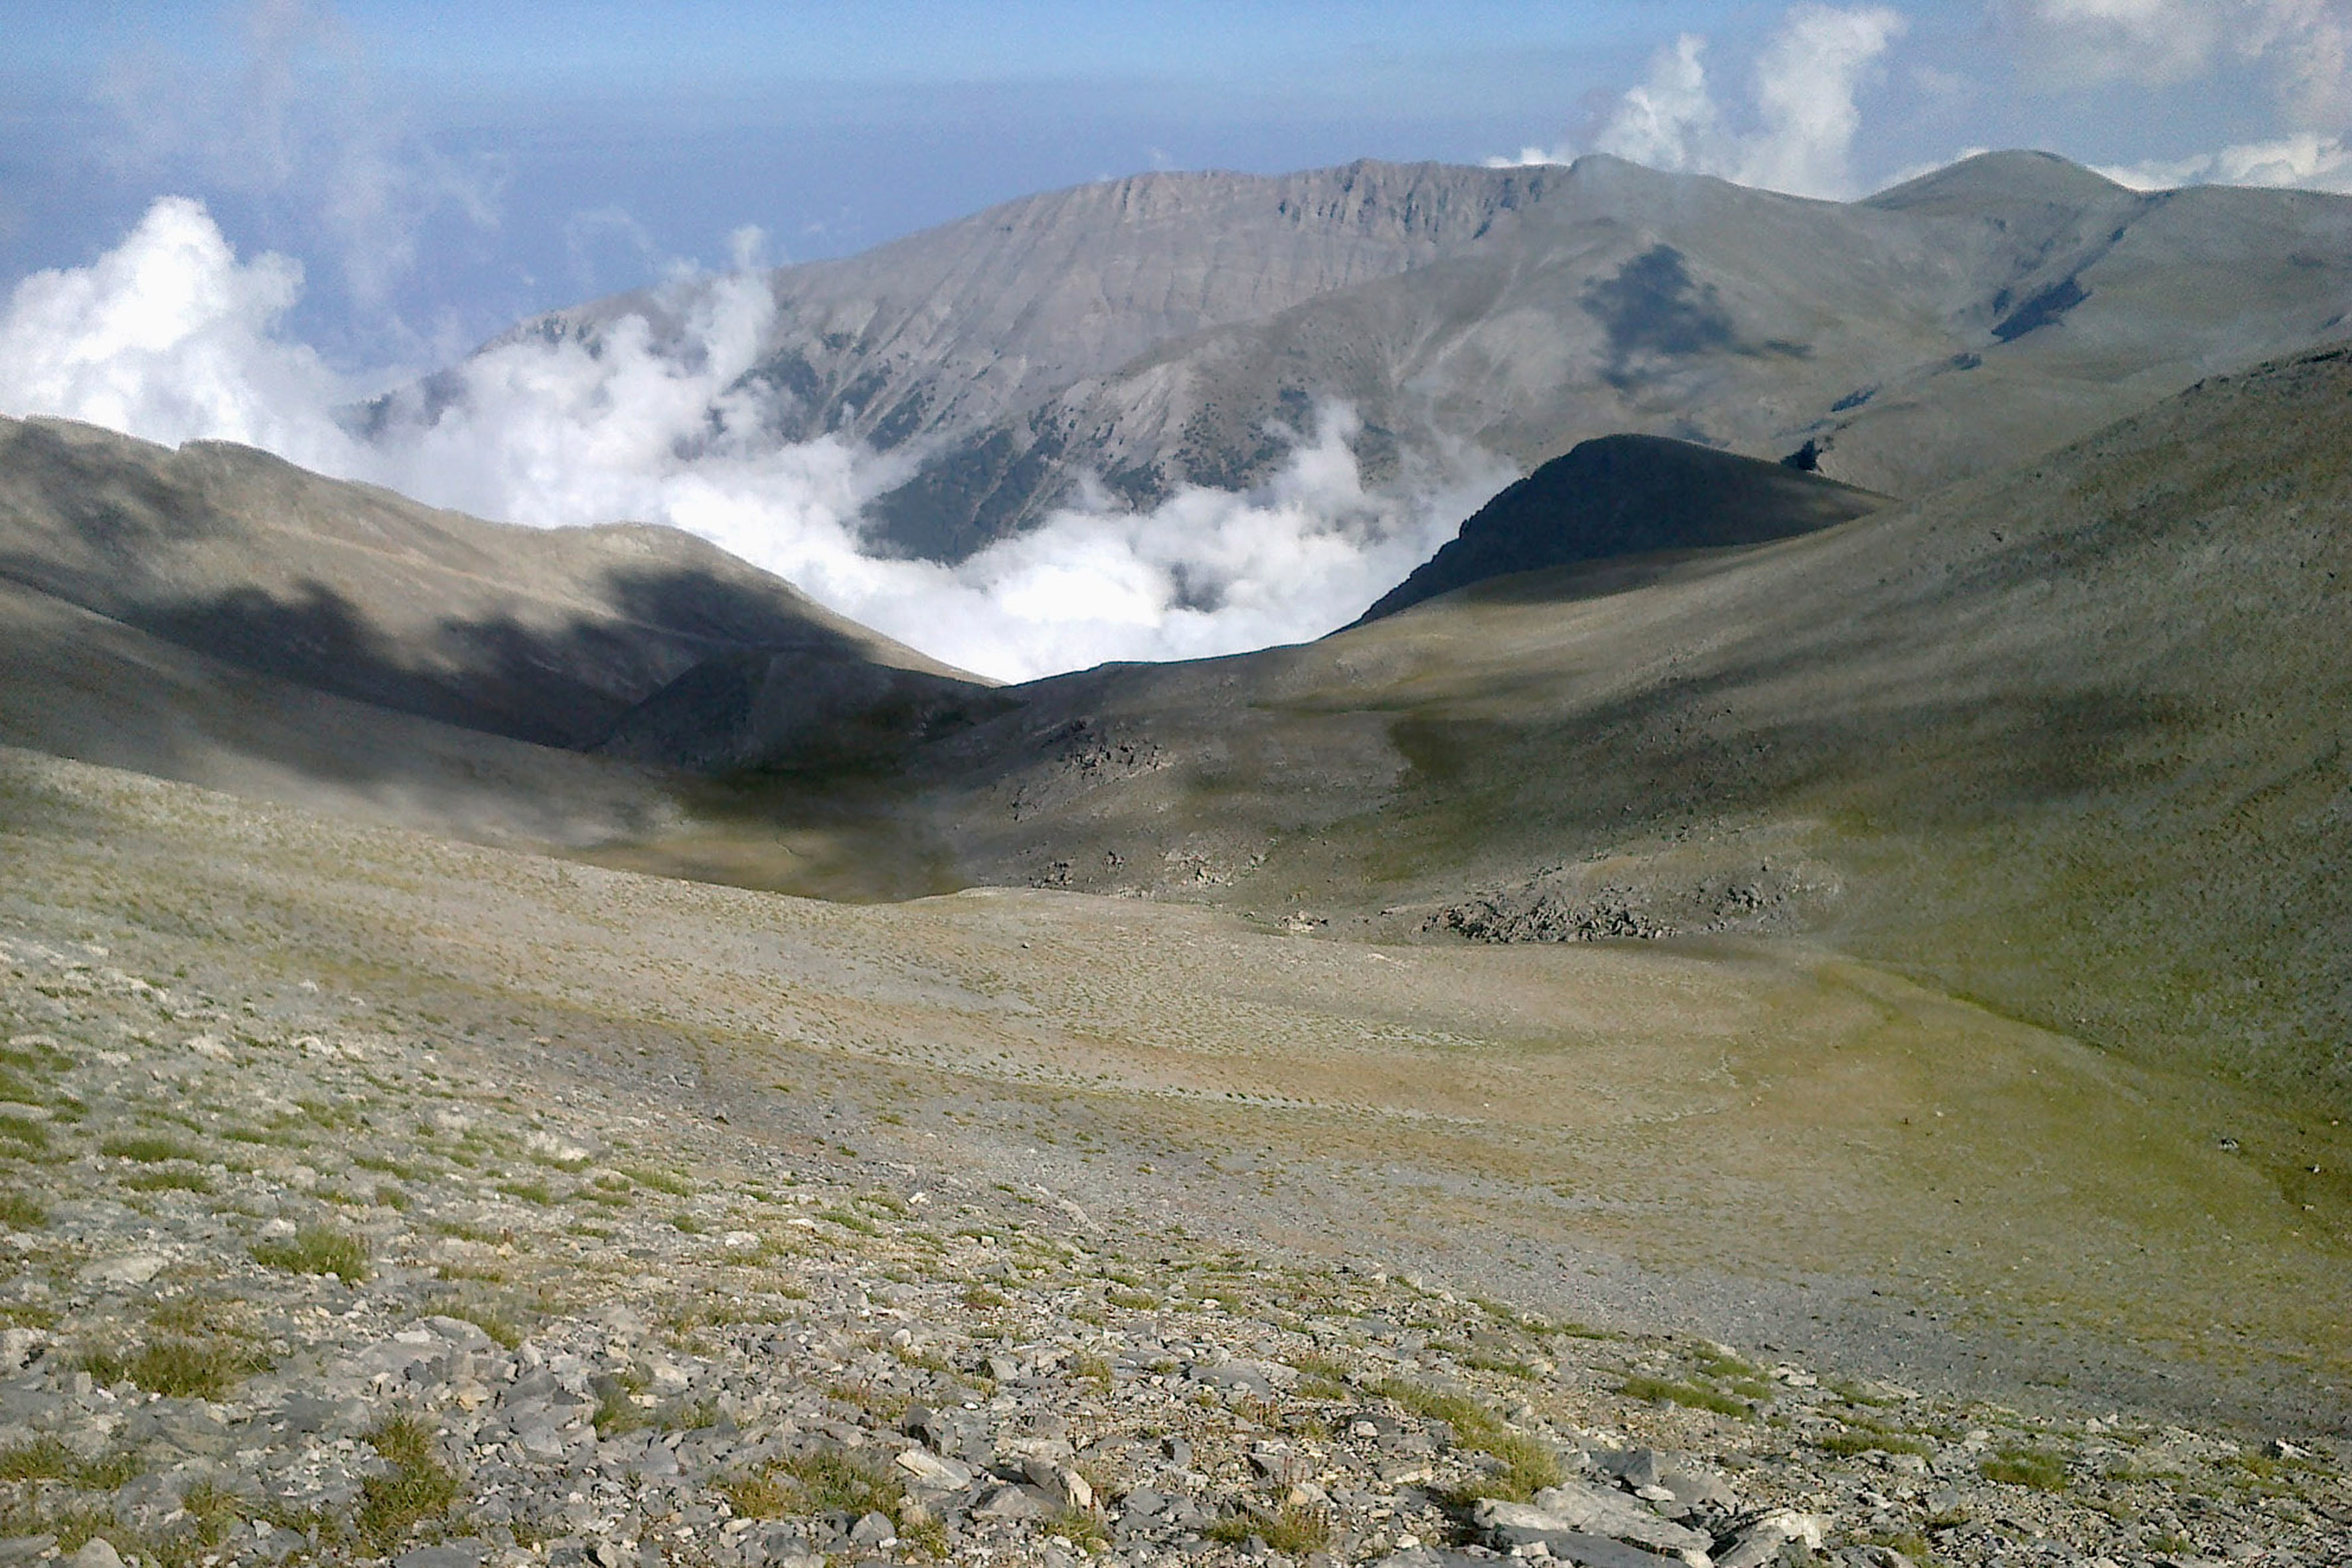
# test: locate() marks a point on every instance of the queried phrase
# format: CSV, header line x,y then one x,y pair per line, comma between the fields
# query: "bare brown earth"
x,y
1784,1145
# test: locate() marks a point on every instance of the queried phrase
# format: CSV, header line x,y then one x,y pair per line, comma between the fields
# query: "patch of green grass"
x,y
193,1314
1910,1543
1328,1368
1487,1361
826,1481
24,1132
18,1091
1692,1395
1855,1394
850,1219
759,1494
1082,1528
149,1148
459,1230
1525,1464
1088,1367
1292,1529
418,1489
489,1320
688,1224
175,1367
215,1510
695,1415
660,1181
34,1059
37,1459
1724,1366
106,1472
983,1296
617,1410
533,1192
319,1250
22,1211
1852,1443
1132,1300
170,1180
2035,1467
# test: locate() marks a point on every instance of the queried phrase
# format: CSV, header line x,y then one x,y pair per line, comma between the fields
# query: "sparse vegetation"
x,y
2020,1467
1672,1391
419,1489
1293,1529
826,1481
168,1180
149,1148
1525,1464
319,1250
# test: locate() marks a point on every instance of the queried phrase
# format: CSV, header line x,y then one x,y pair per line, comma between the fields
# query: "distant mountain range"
x,y
1168,329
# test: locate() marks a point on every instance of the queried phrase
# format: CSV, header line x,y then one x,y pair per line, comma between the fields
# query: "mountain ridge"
x,y
1957,323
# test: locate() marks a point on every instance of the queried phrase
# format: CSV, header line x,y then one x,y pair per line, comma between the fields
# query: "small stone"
x,y
935,1470
96,1552
874,1529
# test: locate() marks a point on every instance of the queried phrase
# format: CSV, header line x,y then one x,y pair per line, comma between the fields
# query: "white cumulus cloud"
x,y
171,337
2304,46
2305,159
1804,106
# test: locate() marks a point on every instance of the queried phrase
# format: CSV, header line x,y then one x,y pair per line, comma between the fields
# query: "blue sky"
x,y
443,170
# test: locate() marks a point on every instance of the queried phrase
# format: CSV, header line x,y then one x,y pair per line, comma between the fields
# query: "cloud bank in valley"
x,y
171,336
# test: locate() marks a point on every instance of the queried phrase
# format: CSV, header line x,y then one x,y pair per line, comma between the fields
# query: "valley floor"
x,y
370,1196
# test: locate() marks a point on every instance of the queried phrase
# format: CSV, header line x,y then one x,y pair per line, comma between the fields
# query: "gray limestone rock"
x,y
1575,1507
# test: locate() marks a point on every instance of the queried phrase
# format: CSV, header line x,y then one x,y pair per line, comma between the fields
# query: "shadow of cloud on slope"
x,y
563,683
77,684
1653,309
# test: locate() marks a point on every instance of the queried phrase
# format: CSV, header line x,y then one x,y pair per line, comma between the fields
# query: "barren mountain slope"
x,y
75,683
545,636
1168,329
2068,739
1762,1143
1904,343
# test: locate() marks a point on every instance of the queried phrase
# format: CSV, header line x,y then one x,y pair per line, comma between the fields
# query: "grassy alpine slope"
x,y
2067,739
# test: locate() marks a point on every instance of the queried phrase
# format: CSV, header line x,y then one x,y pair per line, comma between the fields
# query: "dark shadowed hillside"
x,y
1628,495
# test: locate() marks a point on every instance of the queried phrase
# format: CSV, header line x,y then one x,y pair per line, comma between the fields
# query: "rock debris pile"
x,y
287,1284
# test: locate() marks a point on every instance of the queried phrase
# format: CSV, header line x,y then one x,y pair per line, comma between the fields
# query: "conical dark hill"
x,y
1629,495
